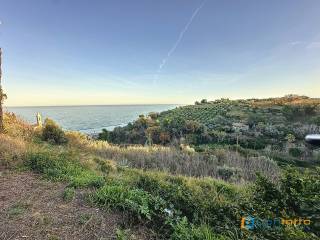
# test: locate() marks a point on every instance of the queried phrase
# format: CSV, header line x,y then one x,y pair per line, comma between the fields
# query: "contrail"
x,y
181,35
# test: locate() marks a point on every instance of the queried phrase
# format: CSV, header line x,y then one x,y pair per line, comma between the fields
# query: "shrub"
x,y
52,133
296,195
106,166
227,173
295,152
104,135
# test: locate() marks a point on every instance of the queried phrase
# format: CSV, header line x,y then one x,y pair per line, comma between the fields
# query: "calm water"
x,y
89,119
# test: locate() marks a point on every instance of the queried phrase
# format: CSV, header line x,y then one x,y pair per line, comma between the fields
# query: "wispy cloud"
x,y
177,42
313,45
307,45
294,43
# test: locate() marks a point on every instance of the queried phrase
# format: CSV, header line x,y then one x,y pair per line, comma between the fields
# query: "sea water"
x,y
88,119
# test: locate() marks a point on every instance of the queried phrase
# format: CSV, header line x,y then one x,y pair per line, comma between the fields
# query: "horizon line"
x,y
94,105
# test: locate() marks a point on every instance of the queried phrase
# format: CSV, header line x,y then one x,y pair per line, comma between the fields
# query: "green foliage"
x,y
290,138
122,234
180,207
199,200
227,172
253,124
315,120
105,166
296,196
17,209
104,135
183,230
84,218
296,152
52,133
62,166
68,194
136,201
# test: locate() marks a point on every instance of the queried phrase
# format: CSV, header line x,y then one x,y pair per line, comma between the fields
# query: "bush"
x,y
105,166
53,133
296,195
104,135
227,172
296,152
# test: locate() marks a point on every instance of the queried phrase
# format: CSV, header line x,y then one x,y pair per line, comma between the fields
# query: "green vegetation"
x,y
68,194
274,128
17,209
53,133
179,192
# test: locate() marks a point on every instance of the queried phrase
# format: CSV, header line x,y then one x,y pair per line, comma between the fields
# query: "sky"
x,y
88,52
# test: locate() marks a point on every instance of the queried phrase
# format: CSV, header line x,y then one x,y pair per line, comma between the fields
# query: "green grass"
x,y
68,194
63,166
177,207
84,218
17,209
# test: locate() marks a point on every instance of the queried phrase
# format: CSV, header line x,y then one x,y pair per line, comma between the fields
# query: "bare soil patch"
x,y
33,208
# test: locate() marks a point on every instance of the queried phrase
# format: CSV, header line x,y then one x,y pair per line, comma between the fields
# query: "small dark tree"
x,y
3,96
53,133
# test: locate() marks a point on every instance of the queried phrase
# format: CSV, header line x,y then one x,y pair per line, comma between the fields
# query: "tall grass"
x,y
12,151
228,165
16,127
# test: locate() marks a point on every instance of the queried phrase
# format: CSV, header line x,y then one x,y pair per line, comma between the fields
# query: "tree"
x,y
3,96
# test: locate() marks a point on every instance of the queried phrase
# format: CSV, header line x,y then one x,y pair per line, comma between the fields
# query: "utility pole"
x,y
2,97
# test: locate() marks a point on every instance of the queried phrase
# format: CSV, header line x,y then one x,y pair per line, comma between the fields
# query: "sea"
x,y
89,119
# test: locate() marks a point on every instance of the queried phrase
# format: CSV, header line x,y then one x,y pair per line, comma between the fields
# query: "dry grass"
x,y
223,164
16,127
12,151
84,142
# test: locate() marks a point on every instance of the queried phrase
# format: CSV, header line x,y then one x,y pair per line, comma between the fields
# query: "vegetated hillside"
x,y
154,204
274,127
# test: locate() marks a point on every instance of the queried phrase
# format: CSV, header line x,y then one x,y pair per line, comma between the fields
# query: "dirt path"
x,y
32,208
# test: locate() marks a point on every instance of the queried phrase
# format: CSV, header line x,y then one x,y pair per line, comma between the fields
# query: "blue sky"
x,y
116,51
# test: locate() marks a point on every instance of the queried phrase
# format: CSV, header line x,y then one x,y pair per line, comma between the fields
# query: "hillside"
x,y
65,185
274,127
